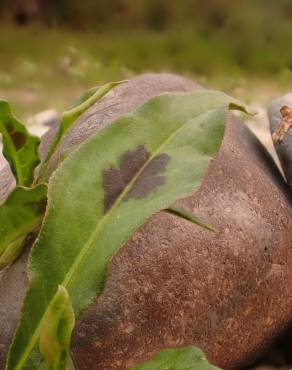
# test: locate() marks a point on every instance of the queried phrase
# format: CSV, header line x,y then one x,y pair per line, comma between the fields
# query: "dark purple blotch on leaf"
x,y
37,206
18,138
151,178
116,179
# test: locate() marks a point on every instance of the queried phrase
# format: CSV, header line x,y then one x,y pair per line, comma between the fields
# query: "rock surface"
x,y
174,283
13,280
283,145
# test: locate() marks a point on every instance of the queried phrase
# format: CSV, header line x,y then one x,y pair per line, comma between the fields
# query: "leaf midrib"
x,y
89,242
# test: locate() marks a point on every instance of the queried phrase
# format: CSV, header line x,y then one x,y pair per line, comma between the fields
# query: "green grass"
x,y
42,68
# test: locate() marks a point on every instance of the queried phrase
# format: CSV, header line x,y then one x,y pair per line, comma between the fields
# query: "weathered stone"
x,y
175,284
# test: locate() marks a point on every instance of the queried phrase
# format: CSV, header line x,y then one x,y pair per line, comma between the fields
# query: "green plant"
x,y
188,358
21,151
153,156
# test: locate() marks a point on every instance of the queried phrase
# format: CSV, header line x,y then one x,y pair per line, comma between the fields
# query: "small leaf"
x,y
105,190
183,213
89,98
19,147
21,212
55,332
70,116
186,358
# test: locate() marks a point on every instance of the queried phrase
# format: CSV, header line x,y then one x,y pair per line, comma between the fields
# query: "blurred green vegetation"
x,y
254,35
51,50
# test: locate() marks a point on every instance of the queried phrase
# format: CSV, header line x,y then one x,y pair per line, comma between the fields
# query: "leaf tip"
x,y
237,105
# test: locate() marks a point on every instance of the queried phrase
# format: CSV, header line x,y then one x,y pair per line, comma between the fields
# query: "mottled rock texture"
x,y
173,283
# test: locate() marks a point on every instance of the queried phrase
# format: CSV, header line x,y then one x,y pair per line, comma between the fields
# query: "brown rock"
x,y
126,97
175,284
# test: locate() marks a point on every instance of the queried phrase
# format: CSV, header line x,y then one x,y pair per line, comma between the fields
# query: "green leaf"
x,y
105,190
92,95
11,252
55,332
86,95
183,213
186,358
89,98
21,212
19,147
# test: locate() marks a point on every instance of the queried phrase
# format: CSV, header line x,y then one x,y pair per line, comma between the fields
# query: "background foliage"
x,y
51,48
253,34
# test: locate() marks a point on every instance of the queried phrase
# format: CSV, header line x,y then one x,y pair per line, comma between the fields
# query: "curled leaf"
x,y
186,358
21,212
86,100
55,332
19,147
106,189
89,98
